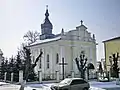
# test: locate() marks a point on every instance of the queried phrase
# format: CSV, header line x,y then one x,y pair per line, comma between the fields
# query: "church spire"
x,y
46,27
47,24
47,13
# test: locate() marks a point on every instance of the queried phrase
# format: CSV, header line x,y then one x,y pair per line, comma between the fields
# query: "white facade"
x,y
67,45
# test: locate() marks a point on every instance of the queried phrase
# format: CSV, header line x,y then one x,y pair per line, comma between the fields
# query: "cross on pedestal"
x,y
63,65
81,22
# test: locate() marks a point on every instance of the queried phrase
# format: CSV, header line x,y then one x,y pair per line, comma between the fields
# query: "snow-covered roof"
x,y
114,38
46,40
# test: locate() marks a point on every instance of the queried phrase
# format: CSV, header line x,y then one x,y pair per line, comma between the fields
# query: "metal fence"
x,y
8,76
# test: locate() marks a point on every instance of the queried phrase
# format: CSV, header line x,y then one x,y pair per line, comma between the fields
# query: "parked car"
x,y
71,84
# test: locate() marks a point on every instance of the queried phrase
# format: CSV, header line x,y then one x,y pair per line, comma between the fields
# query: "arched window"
x,y
33,59
40,65
57,58
40,50
40,62
48,61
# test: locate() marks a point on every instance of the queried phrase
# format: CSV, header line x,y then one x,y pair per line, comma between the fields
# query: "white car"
x,y
71,84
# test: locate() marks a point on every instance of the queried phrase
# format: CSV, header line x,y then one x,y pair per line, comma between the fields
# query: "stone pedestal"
x,y
12,77
57,76
20,76
5,76
40,76
97,75
119,75
72,74
117,81
86,75
90,74
109,76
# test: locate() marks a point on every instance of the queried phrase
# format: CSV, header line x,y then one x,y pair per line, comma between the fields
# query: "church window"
x,y
48,61
57,58
40,50
33,59
40,63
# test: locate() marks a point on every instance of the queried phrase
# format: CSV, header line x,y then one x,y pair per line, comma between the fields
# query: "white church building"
x,y
67,45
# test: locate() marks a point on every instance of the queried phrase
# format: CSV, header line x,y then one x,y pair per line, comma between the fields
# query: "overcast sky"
x,y
102,17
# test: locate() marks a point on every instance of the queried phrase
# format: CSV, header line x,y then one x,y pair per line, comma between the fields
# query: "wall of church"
x,y
80,34
73,49
50,49
64,48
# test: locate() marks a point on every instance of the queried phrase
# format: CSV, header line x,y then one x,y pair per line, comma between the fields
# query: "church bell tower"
x,y
46,27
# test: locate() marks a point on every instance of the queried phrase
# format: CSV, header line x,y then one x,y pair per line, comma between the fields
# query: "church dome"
x,y
47,23
46,28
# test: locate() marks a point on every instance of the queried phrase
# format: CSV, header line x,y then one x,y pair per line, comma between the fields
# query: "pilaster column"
x,y
52,54
61,56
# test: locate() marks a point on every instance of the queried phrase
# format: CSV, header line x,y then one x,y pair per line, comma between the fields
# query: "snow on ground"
x,y
9,87
47,87
3,83
104,84
38,86
94,85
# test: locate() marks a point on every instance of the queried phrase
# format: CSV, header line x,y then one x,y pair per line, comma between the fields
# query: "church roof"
x,y
45,41
115,38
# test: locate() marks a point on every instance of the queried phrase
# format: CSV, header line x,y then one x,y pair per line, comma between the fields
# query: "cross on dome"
x,y
46,7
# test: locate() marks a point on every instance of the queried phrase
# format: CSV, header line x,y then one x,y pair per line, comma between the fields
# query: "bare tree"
x,y
81,64
114,61
31,36
28,66
21,51
100,69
